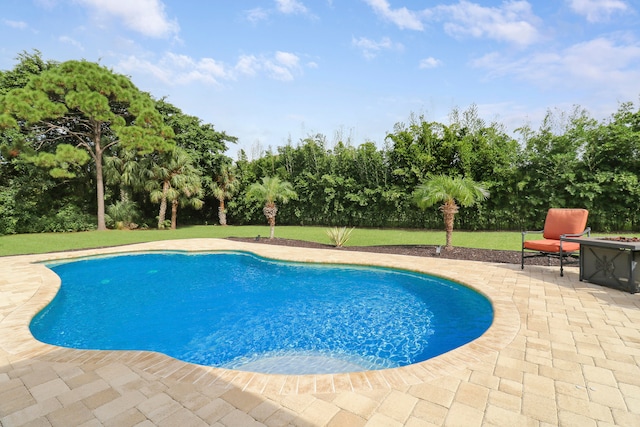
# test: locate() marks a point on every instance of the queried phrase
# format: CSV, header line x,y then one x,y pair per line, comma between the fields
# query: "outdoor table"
x,y
610,263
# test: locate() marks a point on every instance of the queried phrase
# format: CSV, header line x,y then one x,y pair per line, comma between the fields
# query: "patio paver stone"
x,y
560,352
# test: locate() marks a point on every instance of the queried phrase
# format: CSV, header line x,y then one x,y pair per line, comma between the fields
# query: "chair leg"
x,y
561,265
522,253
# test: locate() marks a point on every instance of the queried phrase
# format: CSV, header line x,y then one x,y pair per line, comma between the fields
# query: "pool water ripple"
x,y
240,311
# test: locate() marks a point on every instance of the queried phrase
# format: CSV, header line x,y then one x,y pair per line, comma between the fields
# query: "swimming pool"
x,y
240,311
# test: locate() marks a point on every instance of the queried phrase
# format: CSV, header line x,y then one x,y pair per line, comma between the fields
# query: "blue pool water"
x,y
240,311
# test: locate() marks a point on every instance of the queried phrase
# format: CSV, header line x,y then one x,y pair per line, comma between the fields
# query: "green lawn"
x,y
52,242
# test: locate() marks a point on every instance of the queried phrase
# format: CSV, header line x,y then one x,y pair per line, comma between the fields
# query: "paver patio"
x,y
560,352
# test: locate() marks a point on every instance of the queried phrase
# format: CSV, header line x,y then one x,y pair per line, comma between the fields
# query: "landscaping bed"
x,y
470,254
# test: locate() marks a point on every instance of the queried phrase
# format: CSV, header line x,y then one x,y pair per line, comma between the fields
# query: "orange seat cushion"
x,y
561,221
550,245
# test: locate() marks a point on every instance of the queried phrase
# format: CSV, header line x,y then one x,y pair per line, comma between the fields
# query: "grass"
x,y
53,242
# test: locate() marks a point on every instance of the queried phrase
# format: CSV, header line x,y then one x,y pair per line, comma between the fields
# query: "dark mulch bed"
x,y
470,254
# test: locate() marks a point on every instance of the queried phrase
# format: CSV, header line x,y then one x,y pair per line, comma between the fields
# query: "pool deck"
x,y
560,352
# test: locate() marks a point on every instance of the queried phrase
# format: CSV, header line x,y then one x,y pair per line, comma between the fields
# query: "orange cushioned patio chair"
x,y
560,223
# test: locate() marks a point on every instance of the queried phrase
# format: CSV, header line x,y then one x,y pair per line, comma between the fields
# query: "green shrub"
x,y
69,218
8,218
122,215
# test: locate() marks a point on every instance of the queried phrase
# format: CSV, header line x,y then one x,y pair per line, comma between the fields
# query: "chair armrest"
x,y
587,231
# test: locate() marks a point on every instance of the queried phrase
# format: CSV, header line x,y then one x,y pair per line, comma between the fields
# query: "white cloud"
x,y
600,65
287,7
187,70
134,64
290,6
256,15
20,25
602,61
248,65
287,59
282,66
213,67
430,62
513,22
144,16
597,10
371,48
71,41
403,18
277,71
176,69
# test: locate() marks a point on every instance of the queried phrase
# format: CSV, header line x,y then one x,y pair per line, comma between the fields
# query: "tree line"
x,y
82,148
571,160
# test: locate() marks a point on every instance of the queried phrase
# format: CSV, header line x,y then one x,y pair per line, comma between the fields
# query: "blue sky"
x,y
271,71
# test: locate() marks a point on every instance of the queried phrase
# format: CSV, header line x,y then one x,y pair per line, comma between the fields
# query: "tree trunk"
x,y
222,213
163,205
100,187
449,209
174,214
270,211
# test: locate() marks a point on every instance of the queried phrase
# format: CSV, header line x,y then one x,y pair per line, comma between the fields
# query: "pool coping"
x,y
42,284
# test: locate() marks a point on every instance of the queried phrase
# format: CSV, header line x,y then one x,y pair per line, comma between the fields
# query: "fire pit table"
x,y
610,261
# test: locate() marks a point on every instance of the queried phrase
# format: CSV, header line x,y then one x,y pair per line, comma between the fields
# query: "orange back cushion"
x,y
564,221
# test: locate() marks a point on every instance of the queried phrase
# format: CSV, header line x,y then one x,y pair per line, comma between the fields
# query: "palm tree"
x,y
225,186
270,191
123,215
448,189
174,179
189,194
125,170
